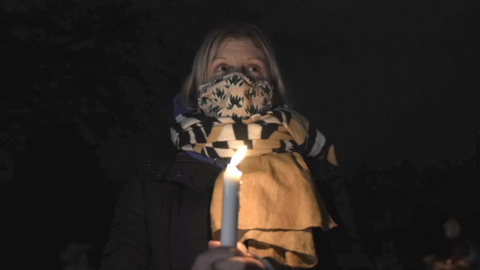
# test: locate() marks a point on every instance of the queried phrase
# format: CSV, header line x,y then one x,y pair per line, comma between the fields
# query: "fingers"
x,y
213,244
216,244
238,263
226,258
242,248
206,259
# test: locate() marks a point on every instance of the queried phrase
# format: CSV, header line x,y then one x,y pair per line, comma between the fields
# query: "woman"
x,y
168,214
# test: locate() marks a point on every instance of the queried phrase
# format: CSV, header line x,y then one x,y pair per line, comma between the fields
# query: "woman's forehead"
x,y
242,45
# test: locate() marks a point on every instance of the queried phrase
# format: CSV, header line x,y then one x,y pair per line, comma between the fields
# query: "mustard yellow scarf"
x,y
279,203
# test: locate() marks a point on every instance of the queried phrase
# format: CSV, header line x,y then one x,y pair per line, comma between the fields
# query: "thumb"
x,y
212,244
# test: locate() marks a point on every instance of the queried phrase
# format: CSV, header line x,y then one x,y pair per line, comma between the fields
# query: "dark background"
x,y
87,88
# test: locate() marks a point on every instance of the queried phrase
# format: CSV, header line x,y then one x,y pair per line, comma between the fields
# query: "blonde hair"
x,y
206,53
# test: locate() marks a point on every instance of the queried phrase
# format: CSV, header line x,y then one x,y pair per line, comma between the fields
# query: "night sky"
x,y
87,88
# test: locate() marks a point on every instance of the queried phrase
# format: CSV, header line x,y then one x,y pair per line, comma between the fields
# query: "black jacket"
x,y
162,219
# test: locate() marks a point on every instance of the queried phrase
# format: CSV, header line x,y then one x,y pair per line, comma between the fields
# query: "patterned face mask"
x,y
235,95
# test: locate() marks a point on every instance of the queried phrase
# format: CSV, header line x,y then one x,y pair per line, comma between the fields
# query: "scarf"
x,y
280,130
278,203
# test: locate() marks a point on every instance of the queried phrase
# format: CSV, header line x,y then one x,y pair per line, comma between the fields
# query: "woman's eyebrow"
x,y
257,58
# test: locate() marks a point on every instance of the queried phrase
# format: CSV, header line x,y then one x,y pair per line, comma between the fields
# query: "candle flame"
x,y
239,155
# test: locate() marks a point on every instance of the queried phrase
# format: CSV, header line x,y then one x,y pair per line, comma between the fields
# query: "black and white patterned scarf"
x,y
279,130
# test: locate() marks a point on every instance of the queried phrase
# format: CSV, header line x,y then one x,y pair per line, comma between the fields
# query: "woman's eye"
x,y
222,68
254,69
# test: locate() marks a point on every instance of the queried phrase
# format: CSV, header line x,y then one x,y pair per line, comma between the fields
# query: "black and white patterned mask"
x,y
235,95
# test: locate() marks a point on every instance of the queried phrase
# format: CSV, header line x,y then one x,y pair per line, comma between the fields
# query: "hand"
x,y
225,258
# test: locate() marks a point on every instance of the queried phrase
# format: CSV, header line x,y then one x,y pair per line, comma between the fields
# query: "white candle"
x,y
231,189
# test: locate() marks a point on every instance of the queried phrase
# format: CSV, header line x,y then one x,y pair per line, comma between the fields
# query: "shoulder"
x,y
176,168
148,173
322,170
156,168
